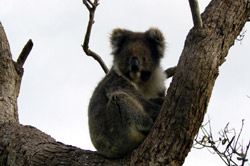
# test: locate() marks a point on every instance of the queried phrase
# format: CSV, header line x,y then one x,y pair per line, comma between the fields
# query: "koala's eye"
x,y
144,59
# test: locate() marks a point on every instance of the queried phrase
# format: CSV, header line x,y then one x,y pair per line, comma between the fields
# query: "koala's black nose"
x,y
134,65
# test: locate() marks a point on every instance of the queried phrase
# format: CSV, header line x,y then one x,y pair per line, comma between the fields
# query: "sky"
x,y
59,78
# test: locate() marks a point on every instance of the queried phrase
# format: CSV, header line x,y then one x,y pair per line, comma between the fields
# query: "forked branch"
x,y
91,6
195,13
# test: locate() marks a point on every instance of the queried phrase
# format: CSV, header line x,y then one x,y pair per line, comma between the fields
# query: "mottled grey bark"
x,y
186,102
10,79
189,93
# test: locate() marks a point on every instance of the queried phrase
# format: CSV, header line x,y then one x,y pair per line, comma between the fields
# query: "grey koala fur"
x,y
128,99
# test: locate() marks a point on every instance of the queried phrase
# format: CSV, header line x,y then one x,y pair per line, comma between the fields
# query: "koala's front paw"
x,y
116,96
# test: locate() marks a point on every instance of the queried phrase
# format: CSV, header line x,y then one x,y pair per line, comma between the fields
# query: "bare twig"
x,y
25,52
245,154
231,152
195,13
91,6
242,125
85,2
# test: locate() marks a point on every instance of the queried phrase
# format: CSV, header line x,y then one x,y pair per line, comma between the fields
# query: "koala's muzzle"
x,y
134,65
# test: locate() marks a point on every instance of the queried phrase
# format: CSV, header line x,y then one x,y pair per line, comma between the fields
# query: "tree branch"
x,y
227,147
92,7
34,147
10,80
191,88
178,122
25,52
195,13
170,71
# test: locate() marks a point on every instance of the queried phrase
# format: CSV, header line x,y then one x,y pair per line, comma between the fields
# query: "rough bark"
x,y
10,80
186,102
189,93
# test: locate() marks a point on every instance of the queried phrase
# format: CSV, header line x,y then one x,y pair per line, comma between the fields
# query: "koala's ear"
x,y
117,38
155,36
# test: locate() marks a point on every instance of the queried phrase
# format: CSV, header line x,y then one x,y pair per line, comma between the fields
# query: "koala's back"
x,y
111,129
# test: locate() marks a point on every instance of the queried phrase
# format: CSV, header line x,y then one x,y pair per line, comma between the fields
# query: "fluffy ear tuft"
x,y
117,37
157,37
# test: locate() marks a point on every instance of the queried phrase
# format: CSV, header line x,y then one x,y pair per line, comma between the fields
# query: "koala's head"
x,y
137,54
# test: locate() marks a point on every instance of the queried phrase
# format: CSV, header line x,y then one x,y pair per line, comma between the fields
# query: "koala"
x,y
128,99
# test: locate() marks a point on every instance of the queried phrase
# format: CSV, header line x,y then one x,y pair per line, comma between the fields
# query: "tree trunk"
x,y
172,136
10,80
189,93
